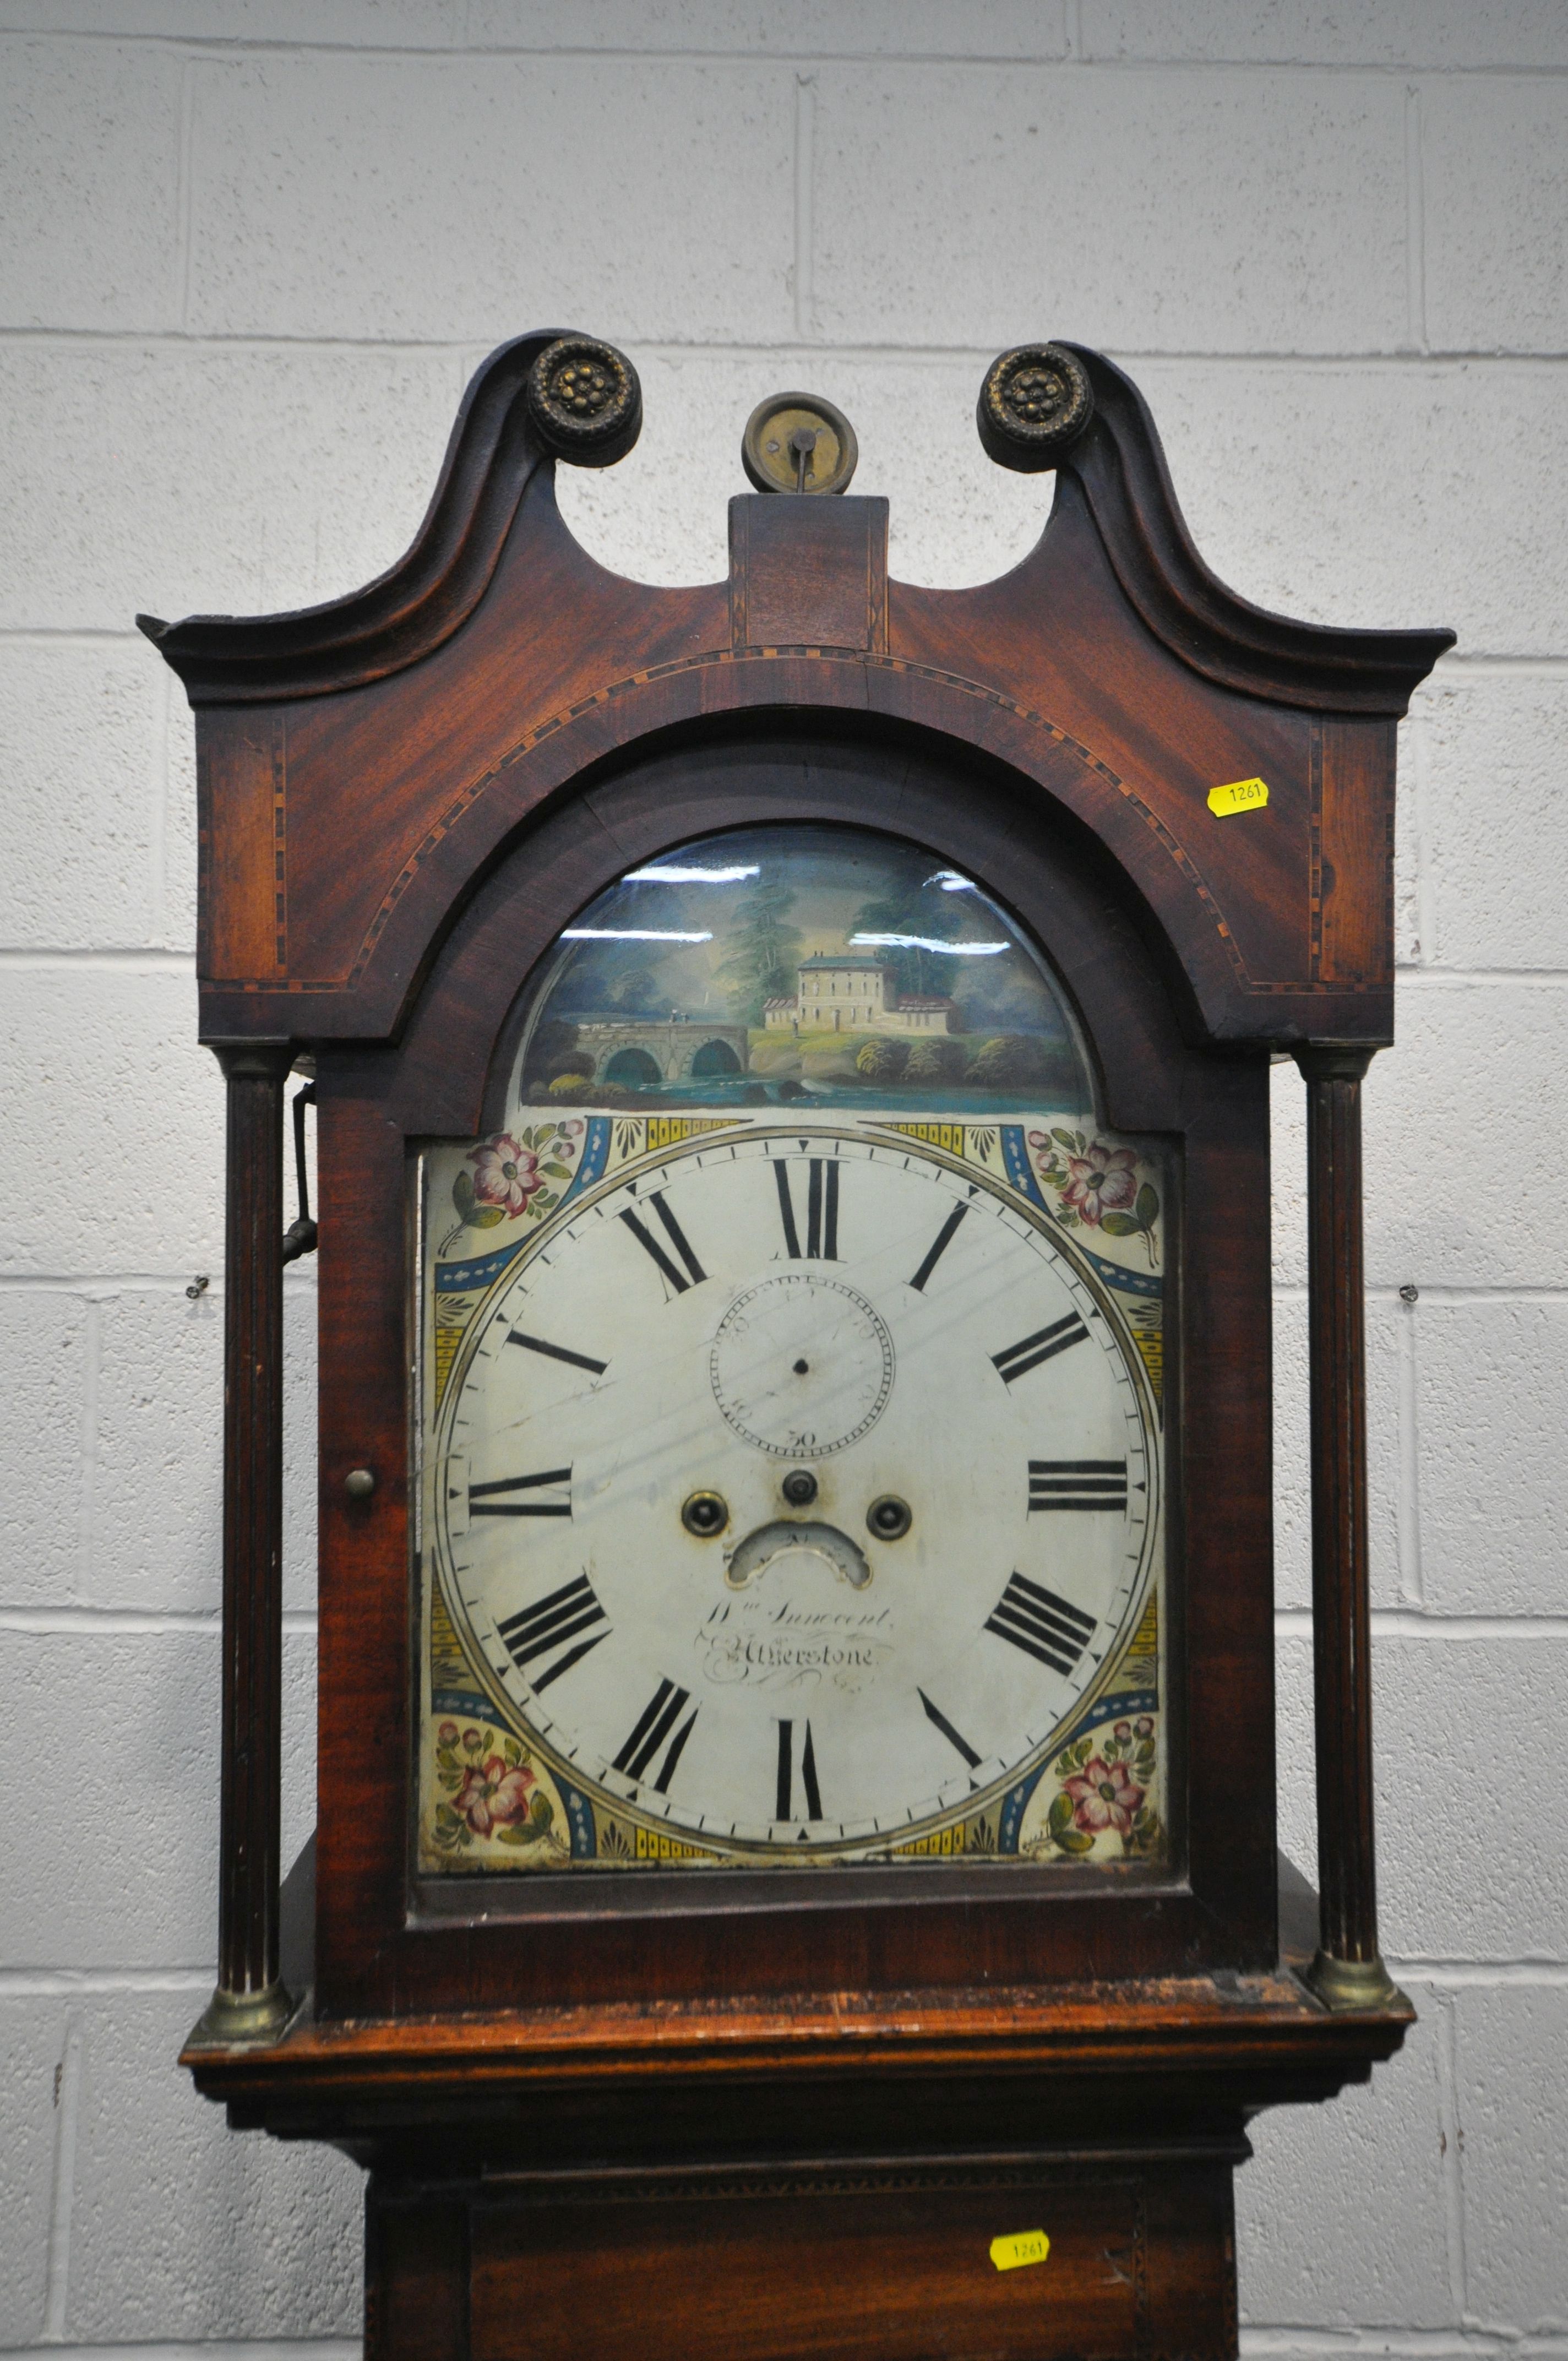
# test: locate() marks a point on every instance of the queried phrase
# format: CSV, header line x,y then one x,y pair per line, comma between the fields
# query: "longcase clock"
x,y
795,1863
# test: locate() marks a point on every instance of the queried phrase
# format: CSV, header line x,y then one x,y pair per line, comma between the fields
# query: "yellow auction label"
x,y
1021,2247
1242,795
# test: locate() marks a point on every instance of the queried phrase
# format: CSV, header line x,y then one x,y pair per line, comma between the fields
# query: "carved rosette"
x,y
584,403
1035,403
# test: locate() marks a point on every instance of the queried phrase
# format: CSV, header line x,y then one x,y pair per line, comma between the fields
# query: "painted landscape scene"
x,y
794,966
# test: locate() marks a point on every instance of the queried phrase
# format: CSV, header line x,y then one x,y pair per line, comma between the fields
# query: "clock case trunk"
x,y
403,796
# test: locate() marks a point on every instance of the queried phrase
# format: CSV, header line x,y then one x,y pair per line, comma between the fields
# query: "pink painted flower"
x,y
570,1130
1123,1730
1101,1182
1144,1726
447,1733
505,1173
492,1797
1104,1796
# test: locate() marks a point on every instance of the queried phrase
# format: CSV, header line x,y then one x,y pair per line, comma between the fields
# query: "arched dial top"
x,y
796,1669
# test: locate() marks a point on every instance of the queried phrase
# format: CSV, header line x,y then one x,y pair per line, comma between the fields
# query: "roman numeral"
x,y
1043,1625
1043,1345
693,1273
539,1630
787,1209
785,1796
822,1239
1078,1483
556,1352
821,1209
940,1720
483,1503
654,1724
940,1245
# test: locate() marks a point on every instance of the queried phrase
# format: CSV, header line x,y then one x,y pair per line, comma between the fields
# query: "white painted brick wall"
x,y
251,251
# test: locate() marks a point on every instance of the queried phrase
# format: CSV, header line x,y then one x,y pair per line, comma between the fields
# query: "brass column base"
x,y
230,2018
1352,1984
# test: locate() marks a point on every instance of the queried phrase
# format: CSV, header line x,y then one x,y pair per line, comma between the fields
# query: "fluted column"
x,y
250,2003
1348,1971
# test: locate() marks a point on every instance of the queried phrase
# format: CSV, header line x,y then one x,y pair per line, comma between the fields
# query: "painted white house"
x,y
852,992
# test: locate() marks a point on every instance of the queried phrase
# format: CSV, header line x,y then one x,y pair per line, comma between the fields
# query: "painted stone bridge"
x,y
634,1050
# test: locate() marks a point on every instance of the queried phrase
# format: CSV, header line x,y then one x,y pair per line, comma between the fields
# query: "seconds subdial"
x,y
802,1366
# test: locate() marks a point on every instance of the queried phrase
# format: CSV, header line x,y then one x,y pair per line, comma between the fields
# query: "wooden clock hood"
x,y
498,661
727,2162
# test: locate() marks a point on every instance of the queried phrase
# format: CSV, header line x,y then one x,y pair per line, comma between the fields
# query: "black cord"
x,y
300,1238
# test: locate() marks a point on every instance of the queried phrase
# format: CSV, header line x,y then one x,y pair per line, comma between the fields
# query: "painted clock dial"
x,y
796,1488
792,1358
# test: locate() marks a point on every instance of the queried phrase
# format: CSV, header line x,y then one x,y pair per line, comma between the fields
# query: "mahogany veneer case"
x,y
749,2111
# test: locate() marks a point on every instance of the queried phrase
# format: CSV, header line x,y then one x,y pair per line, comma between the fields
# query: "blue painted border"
x,y
472,1707
1020,1171
580,1821
1114,1274
592,1160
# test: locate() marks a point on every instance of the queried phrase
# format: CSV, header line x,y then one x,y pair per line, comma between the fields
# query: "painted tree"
x,y
764,954
883,1060
937,1058
906,909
